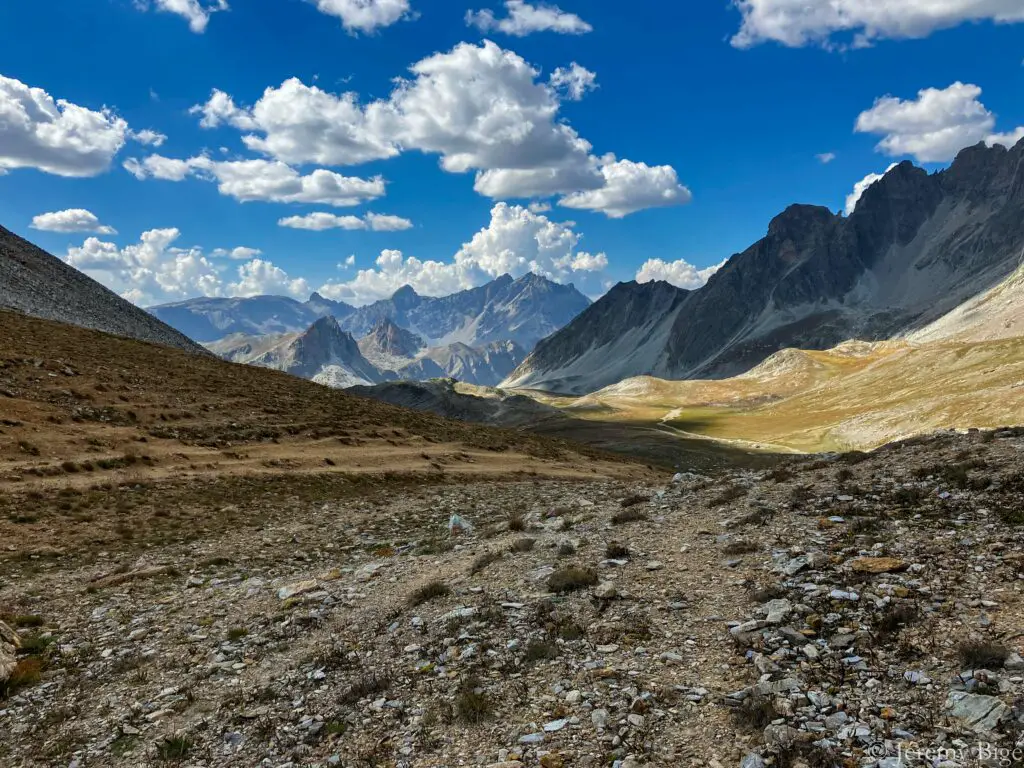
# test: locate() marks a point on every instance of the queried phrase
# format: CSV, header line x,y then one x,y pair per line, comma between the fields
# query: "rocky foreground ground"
x,y
857,610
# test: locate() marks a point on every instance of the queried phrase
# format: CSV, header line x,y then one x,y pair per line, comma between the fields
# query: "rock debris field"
x,y
854,610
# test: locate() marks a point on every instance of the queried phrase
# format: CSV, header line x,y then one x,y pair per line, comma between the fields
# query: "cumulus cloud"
x,y
1007,140
861,187
681,273
296,123
516,241
154,270
933,127
631,187
54,135
148,137
320,221
195,12
241,253
857,23
365,15
71,220
262,180
525,19
480,108
574,81
262,278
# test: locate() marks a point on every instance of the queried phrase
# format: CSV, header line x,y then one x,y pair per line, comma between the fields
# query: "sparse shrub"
x,y
755,713
844,475
572,578
566,549
616,551
740,547
483,561
236,633
896,617
983,654
174,748
628,516
367,686
25,620
35,644
429,591
516,522
781,474
472,704
632,501
540,650
728,495
70,467
523,545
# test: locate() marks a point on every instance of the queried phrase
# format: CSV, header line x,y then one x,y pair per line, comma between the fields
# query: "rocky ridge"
x,y
917,246
40,285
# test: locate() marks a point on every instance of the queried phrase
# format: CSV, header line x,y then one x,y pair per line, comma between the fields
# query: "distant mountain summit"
x,y
35,283
324,353
524,311
387,343
917,246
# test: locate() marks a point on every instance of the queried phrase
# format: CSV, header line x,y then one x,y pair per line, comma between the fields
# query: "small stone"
x,y
606,590
573,697
752,760
654,565
981,713
637,721
293,590
599,717
877,565
531,738
555,725
778,610
607,648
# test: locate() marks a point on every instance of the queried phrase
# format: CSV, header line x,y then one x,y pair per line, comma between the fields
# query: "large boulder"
x,y
9,645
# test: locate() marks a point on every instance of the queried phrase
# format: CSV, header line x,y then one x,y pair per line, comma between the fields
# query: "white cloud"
x,y
55,136
861,187
303,124
934,126
539,207
71,220
573,80
158,167
631,187
525,19
241,253
826,157
350,261
859,22
681,273
150,270
148,137
320,221
263,180
382,222
515,242
220,109
155,271
196,13
480,108
1008,140
365,15
262,278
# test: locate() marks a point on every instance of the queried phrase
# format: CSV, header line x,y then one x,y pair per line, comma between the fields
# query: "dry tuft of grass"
x,y
429,591
740,547
634,500
472,704
484,560
571,579
522,545
27,672
616,551
983,654
628,516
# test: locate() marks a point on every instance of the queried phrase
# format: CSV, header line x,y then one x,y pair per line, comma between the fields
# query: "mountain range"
x,y
523,310
478,336
916,247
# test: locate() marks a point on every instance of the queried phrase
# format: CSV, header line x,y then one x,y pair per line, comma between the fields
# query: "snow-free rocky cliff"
x,y
917,246
35,283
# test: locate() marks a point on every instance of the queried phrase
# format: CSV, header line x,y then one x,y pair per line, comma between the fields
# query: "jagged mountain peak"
x,y
917,246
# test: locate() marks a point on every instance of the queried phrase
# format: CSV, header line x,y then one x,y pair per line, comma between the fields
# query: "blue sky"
x,y
717,115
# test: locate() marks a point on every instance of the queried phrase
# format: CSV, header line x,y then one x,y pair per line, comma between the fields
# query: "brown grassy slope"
x,y
105,437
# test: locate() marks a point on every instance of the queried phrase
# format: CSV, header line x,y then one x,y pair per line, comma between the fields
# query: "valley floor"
x,y
839,611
